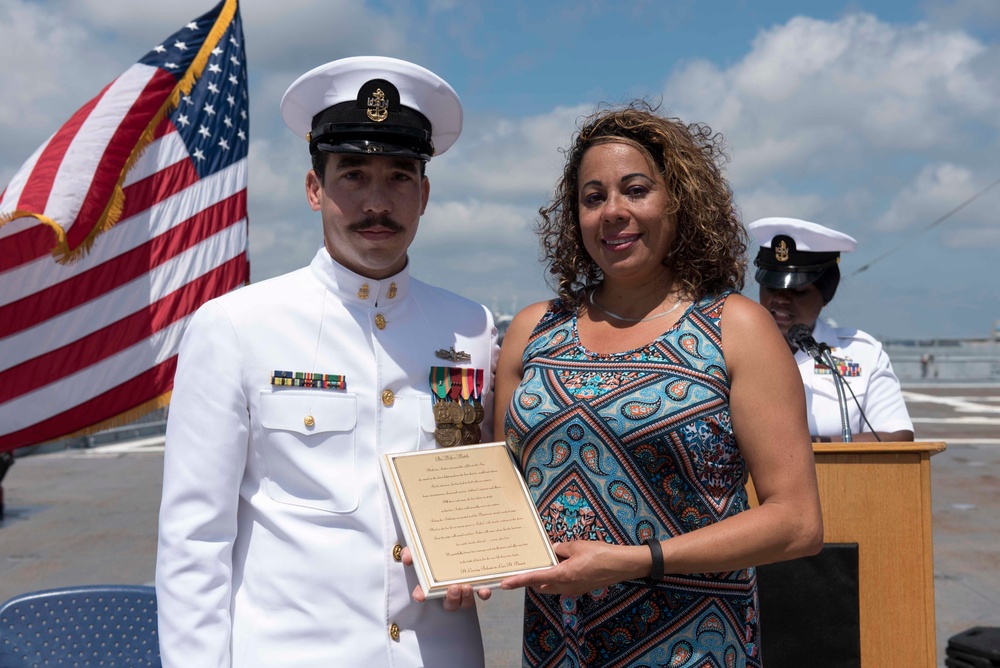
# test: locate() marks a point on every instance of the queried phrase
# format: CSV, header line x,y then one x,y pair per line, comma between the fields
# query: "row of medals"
x,y
458,422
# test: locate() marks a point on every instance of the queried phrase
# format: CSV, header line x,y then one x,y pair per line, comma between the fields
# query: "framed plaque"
x,y
467,516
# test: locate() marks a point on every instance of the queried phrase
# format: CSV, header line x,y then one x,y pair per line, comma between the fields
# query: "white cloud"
x,y
773,200
485,249
935,191
278,245
277,175
40,71
507,158
815,95
484,221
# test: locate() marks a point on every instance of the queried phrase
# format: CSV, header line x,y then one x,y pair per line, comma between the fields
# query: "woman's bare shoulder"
x,y
533,312
743,315
524,322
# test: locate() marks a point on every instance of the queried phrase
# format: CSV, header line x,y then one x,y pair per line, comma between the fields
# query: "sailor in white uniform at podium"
x,y
798,272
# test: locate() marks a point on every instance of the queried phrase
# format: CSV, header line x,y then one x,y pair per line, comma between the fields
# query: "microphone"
x,y
801,336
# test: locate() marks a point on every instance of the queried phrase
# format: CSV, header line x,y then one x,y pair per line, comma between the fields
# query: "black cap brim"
x,y
780,280
372,148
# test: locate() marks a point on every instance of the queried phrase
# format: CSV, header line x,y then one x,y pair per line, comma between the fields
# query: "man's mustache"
x,y
376,221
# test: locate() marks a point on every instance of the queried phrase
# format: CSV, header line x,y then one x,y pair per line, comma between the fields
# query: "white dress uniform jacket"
x,y
276,533
874,384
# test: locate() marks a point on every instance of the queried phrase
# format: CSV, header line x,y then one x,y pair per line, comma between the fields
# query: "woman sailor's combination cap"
x,y
795,253
373,105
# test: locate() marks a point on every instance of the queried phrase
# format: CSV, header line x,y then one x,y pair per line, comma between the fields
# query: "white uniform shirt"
x,y
868,372
276,533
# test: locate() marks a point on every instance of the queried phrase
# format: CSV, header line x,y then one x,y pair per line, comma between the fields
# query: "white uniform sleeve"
x,y
204,461
884,406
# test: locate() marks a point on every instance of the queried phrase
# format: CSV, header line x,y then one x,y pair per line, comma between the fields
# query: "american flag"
x,y
119,226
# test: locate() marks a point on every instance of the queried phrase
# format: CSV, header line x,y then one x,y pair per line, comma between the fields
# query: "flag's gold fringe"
x,y
45,220
113,211
214,35
123,419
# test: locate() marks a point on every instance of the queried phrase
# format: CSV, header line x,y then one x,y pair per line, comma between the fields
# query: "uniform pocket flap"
x,y
308,412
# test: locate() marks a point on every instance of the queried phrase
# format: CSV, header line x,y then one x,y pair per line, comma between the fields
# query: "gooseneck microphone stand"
x,y
802,337
826,357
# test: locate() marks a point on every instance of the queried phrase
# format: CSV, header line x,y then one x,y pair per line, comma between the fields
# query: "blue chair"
x,y
99,625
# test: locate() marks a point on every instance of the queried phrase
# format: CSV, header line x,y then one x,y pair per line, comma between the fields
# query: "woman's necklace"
x,y
623,318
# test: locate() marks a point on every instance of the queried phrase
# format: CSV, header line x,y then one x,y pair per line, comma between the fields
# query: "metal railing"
x,y
949,361
151,424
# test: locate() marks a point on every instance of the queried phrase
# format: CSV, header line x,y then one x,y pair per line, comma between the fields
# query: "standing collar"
x,y
354,288
823,333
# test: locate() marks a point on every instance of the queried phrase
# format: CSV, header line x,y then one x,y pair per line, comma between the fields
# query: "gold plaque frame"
x,y
467,516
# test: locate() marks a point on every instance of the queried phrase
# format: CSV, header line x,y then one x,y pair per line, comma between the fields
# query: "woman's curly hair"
x,y
708,254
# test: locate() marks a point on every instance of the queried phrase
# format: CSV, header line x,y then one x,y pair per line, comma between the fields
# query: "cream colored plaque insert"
x,y
467,514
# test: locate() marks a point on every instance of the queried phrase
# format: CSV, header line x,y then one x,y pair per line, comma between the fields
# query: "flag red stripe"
x,y
50,302
157,187
163,129
116,154
25,246
35,193
134,392
37,241
165,258
118,336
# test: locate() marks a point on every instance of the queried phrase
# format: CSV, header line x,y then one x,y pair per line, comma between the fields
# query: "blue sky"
x,y
874,118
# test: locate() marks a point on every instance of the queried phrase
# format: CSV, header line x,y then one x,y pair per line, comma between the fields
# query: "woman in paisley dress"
x,y
639,401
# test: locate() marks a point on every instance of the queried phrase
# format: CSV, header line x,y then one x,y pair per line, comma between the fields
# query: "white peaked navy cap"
x,y
794,253
374,105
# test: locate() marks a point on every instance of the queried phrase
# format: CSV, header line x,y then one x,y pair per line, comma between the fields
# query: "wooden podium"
x,y
878,495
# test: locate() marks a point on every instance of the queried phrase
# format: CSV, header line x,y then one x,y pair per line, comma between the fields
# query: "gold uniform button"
x,y
309,421
397,552
394,631
388,398
380,321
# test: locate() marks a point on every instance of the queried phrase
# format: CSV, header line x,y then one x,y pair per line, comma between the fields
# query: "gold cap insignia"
x,y
378,107
781,251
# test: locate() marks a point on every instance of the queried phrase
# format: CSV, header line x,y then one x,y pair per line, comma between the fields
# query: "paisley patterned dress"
x,y
624,447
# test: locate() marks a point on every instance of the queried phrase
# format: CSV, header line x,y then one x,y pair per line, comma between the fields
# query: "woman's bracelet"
x,y
656,572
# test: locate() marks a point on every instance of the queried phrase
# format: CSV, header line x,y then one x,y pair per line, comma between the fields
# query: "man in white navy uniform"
x,y
798,272
278,545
